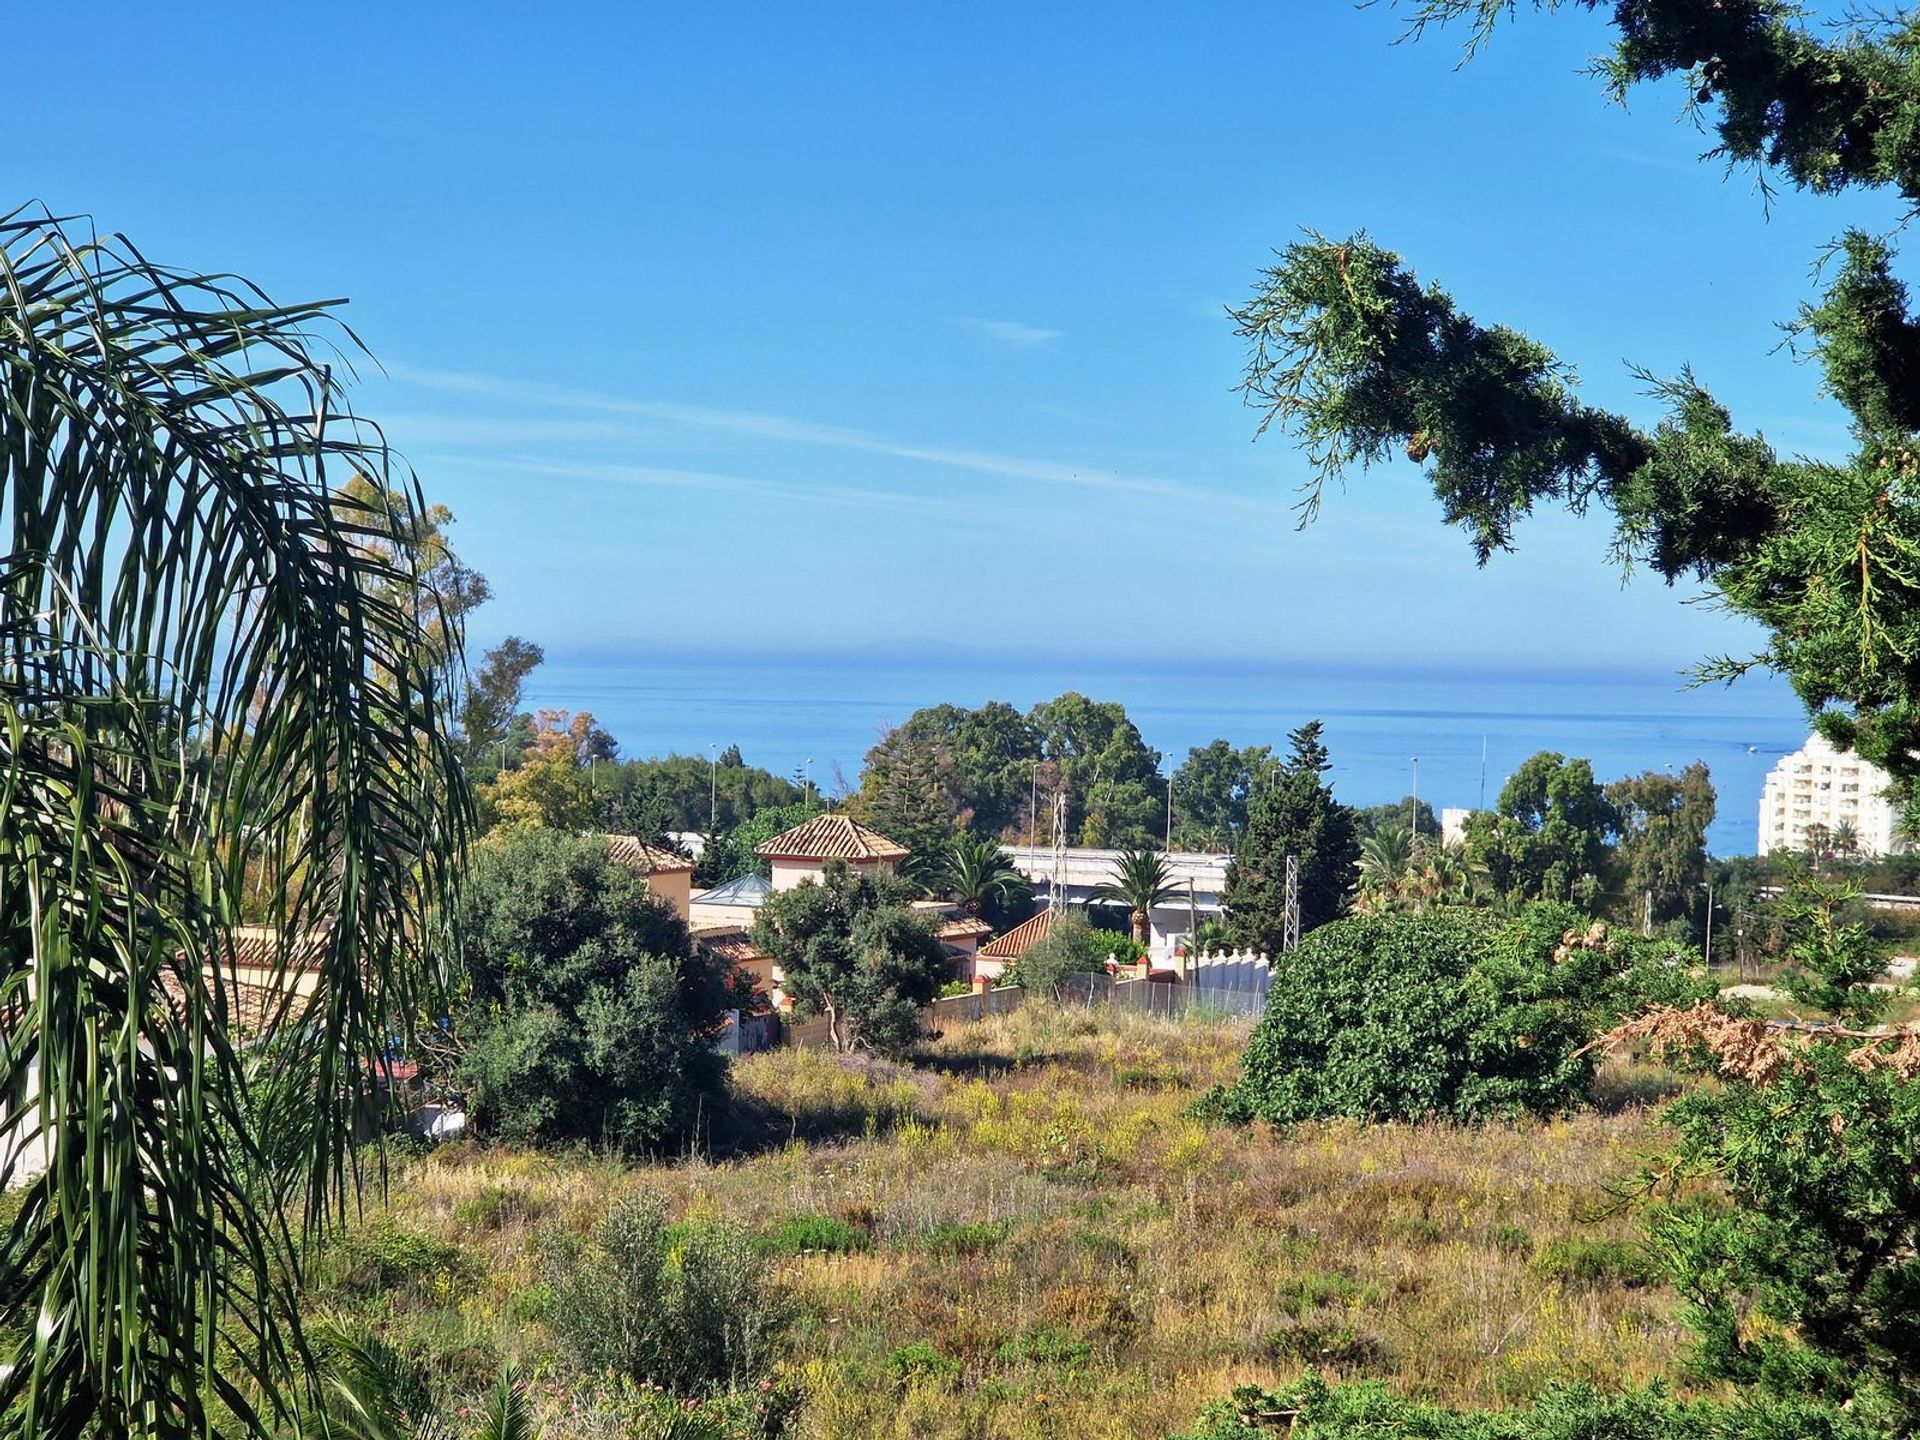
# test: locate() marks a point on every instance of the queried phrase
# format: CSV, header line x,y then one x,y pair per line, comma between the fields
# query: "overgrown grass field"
x,y
1028,1234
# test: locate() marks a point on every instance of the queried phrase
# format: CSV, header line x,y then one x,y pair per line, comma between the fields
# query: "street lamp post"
x,y
1169,807
1709,924
808,773
713,789
1414,799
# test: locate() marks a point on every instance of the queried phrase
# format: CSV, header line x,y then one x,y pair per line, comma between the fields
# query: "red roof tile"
x,y
1022,938
831,837
647,859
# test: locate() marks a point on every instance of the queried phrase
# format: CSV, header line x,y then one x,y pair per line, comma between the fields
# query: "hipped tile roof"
x,y
831,837
647,859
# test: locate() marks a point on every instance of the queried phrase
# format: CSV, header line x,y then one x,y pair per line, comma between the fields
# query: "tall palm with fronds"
x,y
1141,880
1447,876
215,688
1386,864
976,871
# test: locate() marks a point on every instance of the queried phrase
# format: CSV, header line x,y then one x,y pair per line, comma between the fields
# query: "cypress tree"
x,y
1297,815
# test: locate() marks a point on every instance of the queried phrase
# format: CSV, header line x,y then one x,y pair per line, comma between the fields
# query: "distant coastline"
x,y
830,709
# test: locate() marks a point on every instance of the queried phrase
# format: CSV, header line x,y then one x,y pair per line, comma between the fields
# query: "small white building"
x,y
1198,878
1819,785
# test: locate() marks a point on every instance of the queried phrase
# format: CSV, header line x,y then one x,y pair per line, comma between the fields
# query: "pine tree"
x,y
1296,816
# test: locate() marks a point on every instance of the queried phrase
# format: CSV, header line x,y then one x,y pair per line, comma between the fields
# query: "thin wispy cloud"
x,y
706,481
787,430
1012,333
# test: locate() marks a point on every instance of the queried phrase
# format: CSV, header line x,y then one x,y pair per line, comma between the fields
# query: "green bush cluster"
x,y
688,1307
383,1258
1452,1013
1577,1260
970,1238
1072,946
589,1009
1805,1280
922,1360
814,1234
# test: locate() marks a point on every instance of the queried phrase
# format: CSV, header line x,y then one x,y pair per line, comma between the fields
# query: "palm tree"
x,y
215,690
976,870
1140,881
1845,841
1447,876
372,1391
1386,863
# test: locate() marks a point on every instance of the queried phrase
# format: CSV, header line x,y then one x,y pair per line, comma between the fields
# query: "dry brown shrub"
x,y
1759,1052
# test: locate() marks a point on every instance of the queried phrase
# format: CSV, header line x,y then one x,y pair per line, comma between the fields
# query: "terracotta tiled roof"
x,y
647,859
831,837
1022,938
961,928
731,943
257,987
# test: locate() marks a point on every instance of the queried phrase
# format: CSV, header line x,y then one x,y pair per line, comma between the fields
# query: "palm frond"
x,y
217,695
1140,881
507,1416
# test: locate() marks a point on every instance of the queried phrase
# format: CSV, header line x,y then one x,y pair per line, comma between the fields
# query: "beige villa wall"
x,y
675,887
789,873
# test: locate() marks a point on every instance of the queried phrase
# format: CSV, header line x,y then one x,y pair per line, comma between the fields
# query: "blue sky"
x,y
889,329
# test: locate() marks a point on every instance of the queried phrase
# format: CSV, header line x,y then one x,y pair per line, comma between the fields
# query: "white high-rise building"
x,y
1819,785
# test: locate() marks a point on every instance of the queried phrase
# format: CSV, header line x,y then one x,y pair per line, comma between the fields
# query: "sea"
x,y
1450,735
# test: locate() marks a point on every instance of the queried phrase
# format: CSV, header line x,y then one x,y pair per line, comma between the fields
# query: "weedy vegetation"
x,y
1011,1236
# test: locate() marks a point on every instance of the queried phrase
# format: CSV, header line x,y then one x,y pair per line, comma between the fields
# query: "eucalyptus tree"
x,y
220,685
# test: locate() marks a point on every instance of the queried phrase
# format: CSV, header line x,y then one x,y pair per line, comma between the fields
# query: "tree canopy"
x,y
1213,789
1662,850
588,1014
1550,837
993,771
1297,815
852,950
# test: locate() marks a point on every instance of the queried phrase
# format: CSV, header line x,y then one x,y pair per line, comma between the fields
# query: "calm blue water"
x,y
783,714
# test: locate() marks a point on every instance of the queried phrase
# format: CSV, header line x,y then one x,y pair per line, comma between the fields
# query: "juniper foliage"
x,y
1361,359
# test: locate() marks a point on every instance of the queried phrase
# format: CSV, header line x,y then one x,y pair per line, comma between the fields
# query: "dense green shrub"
x,y
813,1234
922,1360
1578,1260
1313,1410
852,950
975,1238
493,1207
383,1257
1808,1282
1071,946
1044,1345
1453,1013
589,1010
690,1308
